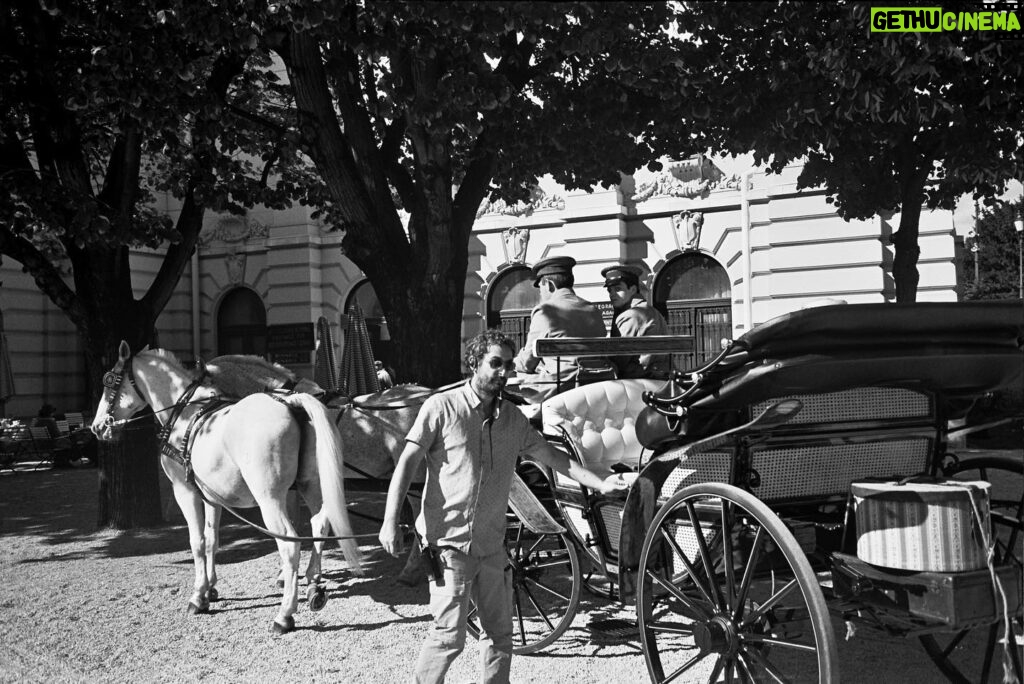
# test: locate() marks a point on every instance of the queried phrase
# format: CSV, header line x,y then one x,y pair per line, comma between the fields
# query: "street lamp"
x,y
1018,223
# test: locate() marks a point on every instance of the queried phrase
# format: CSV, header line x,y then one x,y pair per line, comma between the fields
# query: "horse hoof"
x,y
316,597
212,595
289,626
196,609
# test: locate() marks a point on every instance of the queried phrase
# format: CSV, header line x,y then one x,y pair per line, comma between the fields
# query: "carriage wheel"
x,y
976,655
738,600
545,587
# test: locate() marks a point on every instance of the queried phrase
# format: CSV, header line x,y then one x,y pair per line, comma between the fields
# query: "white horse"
x,y
241,454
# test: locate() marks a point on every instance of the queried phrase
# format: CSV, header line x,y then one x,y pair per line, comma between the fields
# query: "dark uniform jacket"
x,y
563,315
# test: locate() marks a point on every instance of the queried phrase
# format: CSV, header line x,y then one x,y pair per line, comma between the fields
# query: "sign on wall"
x,y
290,342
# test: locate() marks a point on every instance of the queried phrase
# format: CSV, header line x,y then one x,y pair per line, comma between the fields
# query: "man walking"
x,y
471,439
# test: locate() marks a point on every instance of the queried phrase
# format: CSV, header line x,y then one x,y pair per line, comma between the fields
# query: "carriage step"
x,y
613,629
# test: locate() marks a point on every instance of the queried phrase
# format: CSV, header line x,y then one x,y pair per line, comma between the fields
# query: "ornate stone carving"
x,y
538,200
514,241
689,178
687,226
729,183
665,184
234,230
235,262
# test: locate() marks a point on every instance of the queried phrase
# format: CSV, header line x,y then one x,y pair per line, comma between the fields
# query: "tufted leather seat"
x,y
600,421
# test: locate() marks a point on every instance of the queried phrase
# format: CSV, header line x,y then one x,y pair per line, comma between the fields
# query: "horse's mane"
x,y
239,375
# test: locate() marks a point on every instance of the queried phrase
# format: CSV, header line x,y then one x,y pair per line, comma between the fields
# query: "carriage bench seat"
x,y
599,421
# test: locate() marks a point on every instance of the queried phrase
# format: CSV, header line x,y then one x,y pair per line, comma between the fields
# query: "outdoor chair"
x,y
47,447
15,443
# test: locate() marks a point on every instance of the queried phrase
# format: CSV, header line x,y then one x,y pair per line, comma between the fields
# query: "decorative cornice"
x,y
539,200
234,231
665,184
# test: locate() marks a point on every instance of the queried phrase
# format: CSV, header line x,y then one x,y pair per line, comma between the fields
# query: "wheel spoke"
x,y
536,606
730,578
689,566
774,641
705,554
681,597
685,667
717,670
546,588
763,609
748,574
765,665
519,617
682,630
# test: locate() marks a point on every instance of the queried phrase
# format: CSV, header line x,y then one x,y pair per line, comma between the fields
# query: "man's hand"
x,y
617,483
391,538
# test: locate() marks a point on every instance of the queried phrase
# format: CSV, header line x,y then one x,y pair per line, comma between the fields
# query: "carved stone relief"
x,y
538,200
686,227
514,241
235,262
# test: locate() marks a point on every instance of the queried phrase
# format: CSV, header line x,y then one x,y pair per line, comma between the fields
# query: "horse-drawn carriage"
x,y
804,476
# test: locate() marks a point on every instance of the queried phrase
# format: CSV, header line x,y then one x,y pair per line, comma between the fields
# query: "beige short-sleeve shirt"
x,y
470,460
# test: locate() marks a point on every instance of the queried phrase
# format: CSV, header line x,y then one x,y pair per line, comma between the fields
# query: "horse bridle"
x,y
113,383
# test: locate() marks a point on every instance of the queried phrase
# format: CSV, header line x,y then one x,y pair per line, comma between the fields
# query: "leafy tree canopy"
x,y
105,105
994,253
882,117
430,107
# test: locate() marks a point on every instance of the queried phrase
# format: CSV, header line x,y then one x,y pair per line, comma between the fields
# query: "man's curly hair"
x,y
478,346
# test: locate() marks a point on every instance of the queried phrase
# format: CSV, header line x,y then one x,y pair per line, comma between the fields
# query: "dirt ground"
x,y
105,606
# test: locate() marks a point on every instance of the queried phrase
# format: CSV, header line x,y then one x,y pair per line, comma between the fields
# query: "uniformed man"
x,y
561,313
633,317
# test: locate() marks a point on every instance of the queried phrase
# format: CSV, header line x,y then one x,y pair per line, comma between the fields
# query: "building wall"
x,y
800,253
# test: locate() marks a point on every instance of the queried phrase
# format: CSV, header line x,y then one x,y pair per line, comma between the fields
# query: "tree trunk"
x,y
907,251
129,480
425,324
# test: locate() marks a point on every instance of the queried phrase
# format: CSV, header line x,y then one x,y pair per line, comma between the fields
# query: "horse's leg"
x,y
191,505
212,545
275,517
316,595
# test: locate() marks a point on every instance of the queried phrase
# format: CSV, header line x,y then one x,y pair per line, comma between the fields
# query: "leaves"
x,y
871,110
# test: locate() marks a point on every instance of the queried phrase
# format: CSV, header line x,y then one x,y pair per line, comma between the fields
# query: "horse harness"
x,y
113,381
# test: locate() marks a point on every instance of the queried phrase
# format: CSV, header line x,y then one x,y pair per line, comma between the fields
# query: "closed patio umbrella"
x,y
6,374
358,375
325,369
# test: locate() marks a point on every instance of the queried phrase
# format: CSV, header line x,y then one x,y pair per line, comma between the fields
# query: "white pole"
x,y
748,295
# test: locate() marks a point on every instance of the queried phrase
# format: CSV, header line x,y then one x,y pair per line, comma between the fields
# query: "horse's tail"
x,y
332,482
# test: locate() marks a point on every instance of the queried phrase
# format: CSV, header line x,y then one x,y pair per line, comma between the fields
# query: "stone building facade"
x,y
722,253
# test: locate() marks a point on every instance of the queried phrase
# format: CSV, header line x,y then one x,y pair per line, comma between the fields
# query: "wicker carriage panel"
x,y
708,466
857,404
612,518
802,472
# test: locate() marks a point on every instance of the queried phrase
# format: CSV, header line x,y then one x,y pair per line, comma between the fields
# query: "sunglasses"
x,y
495,363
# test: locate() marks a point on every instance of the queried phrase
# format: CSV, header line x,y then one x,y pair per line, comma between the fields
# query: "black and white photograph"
x,y
508,342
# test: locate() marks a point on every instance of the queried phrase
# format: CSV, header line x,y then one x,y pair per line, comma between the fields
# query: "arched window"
x,y
242,323
693,292
365,297
510,299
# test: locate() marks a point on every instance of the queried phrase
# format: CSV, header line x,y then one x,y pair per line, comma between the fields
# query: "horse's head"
x,y
121,398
